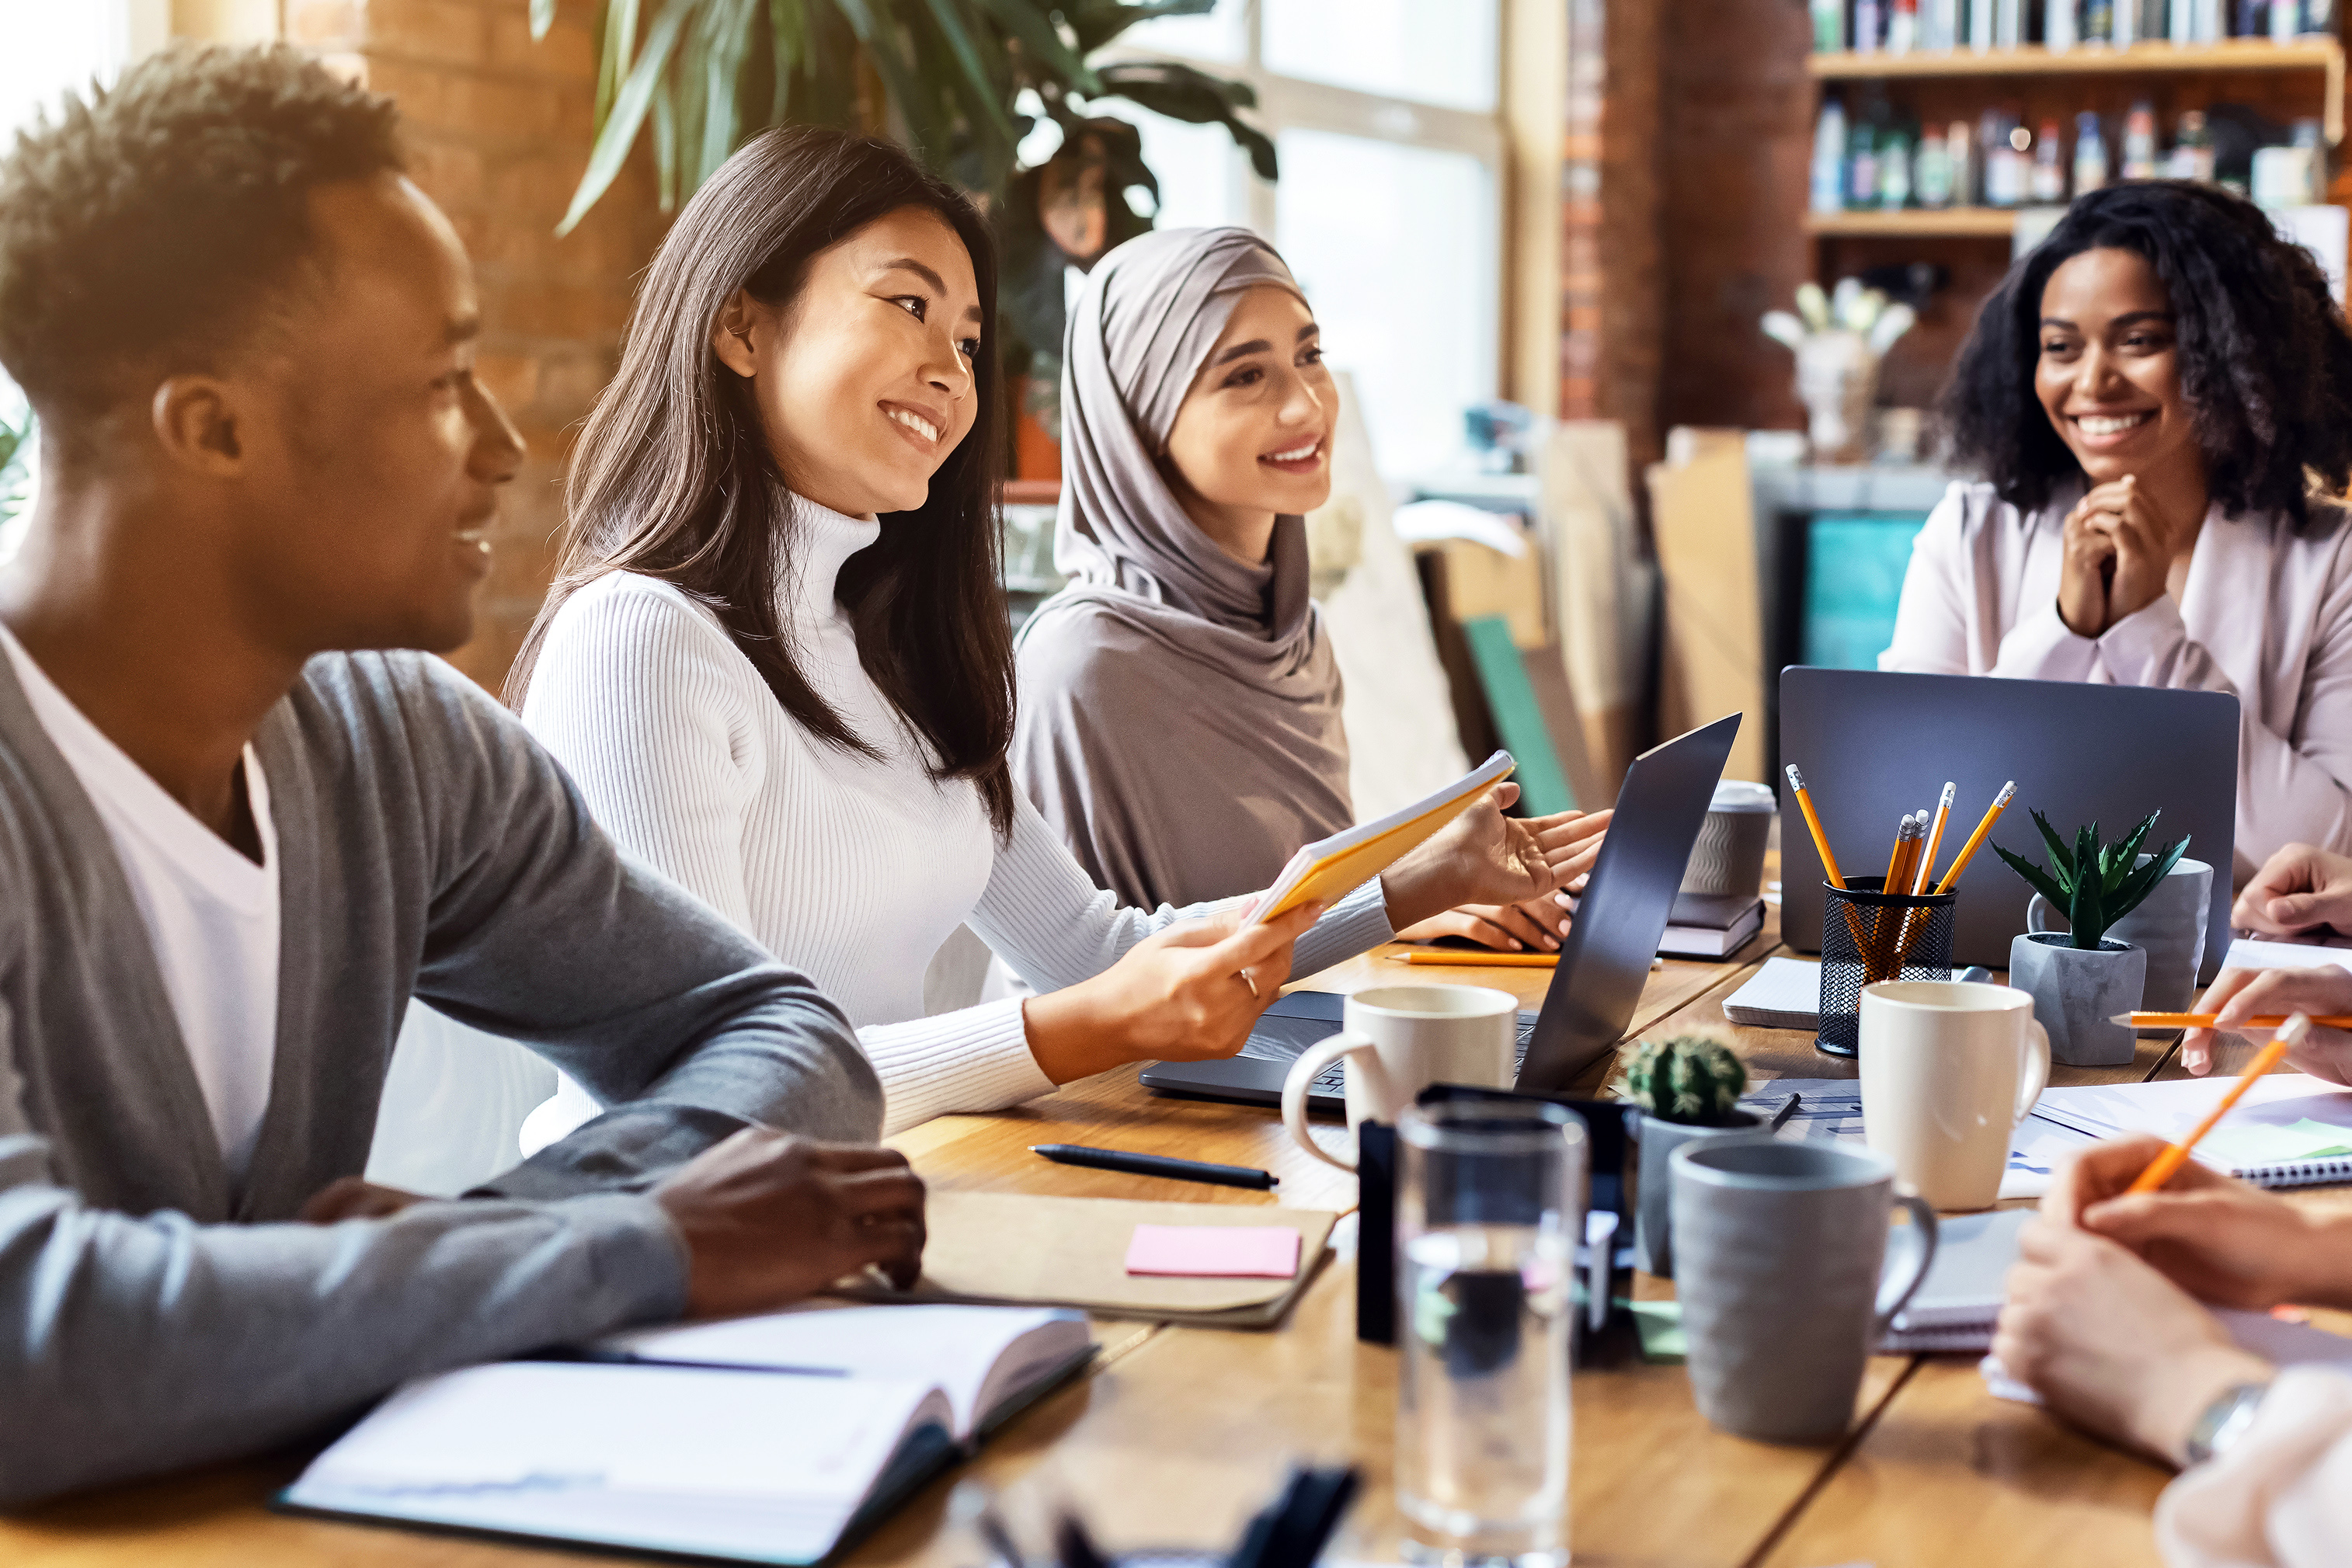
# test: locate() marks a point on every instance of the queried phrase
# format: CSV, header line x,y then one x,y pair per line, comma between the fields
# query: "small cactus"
x,y
1693,1079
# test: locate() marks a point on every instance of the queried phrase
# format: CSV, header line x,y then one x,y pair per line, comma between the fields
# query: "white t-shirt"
x,y
211,914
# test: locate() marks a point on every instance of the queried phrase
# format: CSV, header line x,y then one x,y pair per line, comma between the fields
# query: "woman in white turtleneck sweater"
x,y
775,663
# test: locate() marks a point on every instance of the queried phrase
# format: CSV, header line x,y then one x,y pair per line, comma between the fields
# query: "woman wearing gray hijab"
x,y
1179,720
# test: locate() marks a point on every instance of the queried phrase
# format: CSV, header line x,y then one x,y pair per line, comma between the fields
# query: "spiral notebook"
x,y
2290,1129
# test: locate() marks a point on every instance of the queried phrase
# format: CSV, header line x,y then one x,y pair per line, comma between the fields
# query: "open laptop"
x,y
1603,965
1873,745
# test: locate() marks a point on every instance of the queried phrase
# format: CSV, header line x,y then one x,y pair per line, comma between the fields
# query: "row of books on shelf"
x,y
1903,27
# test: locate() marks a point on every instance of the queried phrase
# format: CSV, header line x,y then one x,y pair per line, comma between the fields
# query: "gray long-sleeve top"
x,y
155,1314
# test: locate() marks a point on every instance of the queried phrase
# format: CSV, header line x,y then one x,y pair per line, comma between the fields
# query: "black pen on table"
x,y
1153,1165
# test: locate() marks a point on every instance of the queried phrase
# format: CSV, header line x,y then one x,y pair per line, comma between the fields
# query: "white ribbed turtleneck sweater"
x,y
852,870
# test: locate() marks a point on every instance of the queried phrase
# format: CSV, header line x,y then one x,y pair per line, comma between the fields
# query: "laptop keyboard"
x,y
1333,1080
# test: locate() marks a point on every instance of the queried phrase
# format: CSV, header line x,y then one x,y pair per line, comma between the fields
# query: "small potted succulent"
x,y
2080,978
1688,1087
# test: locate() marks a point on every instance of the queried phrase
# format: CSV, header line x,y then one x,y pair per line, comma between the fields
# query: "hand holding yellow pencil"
x,y
2161,1168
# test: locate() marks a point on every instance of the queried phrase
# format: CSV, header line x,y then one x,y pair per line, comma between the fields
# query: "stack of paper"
x,y
1786,993
2252,953
1954,1306
2290,1129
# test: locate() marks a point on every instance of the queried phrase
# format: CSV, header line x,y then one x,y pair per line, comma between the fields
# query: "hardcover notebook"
x,y
1004,1246
2291,1130
1329,869
782,1438
1710,926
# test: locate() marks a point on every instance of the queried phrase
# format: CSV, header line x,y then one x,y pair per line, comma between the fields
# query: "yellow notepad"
x,y
1329,869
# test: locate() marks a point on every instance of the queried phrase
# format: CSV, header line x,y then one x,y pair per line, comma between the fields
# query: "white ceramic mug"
x,y
1949,1067
1397,1041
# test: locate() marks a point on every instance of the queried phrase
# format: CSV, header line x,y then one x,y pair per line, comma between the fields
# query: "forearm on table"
x,y
780,1056
974,1059
181,1343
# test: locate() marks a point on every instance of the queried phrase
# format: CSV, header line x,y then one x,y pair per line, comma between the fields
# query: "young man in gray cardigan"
x,y
266,469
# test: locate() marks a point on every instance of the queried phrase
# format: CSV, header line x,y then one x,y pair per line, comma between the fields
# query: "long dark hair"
x,y
2265,358
672,477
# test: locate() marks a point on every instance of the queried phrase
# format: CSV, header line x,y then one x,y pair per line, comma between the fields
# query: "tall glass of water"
x,y
1490,1200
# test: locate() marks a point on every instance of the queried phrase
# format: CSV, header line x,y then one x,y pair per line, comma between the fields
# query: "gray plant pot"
x,y
2076,991
1653,1250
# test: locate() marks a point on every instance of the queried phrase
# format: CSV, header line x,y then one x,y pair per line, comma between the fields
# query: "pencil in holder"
x,y
1867,936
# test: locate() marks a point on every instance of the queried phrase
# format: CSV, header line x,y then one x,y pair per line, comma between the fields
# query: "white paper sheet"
x,y
2255,953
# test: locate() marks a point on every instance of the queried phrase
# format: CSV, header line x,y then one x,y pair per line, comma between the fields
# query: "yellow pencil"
x,y
1813,823
1907,844
2213,1020
1975,840
2161,1168
1479,960
1935,842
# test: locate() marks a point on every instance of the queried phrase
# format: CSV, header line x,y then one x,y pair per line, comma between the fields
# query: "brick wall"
x,y
498,131
1736,138
1612,286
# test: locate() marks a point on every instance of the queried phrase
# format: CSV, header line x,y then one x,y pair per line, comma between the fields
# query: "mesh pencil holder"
x,y
1868,936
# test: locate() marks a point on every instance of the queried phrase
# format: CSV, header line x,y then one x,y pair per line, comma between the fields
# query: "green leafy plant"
x,y
2097,885
16,446
961,82
1693,1079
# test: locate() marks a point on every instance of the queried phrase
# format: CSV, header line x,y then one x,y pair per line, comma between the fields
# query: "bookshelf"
x,y
2234,56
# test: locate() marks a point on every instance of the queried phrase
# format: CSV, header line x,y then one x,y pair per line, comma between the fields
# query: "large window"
x,y
1384,115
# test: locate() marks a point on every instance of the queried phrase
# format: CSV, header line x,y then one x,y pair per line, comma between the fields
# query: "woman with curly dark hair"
x,y
2160,400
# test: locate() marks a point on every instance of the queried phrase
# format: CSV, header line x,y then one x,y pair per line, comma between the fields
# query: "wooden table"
x,y
1178,1434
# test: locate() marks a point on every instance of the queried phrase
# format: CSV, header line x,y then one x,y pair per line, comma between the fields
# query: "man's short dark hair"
x,y
146,227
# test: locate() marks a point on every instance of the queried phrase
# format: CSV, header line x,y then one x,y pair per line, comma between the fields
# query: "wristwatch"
x,y
2225,1421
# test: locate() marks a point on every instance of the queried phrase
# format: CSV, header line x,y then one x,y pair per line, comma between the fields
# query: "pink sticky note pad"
x,y
1214,1252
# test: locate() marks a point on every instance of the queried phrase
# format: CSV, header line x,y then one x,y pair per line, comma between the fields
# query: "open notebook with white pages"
x,y
767,1440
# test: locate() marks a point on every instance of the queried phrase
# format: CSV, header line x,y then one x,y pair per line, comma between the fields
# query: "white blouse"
x,y
2265,615
2282,1496
852,869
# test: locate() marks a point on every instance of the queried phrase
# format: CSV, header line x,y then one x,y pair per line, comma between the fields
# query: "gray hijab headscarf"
x,y
1179,720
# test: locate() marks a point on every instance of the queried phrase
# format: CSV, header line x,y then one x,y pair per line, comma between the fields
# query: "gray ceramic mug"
x,y
1782,1264
2169,926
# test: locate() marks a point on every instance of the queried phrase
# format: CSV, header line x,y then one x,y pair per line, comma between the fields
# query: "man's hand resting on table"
x,y
769,1218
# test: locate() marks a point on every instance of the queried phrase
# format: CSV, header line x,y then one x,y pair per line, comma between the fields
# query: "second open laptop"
x,y
1603,964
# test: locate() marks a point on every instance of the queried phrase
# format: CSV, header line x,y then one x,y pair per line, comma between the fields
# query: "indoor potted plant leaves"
x,y
1687,1087
2080,978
